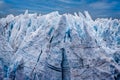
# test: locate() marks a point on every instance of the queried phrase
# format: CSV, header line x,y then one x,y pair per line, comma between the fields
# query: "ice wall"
x,y
59,47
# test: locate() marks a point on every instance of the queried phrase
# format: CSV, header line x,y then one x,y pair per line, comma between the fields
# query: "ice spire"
x,y
87,15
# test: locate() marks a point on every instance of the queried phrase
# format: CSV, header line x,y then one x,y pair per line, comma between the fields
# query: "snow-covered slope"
x,y
59,47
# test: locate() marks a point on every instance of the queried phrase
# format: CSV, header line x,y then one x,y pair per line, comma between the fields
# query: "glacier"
x,y
59,47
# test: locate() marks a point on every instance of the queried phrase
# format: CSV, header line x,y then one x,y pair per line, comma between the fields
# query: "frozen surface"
x,y
59,47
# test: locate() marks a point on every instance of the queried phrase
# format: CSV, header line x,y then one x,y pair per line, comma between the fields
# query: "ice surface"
x,y
59,47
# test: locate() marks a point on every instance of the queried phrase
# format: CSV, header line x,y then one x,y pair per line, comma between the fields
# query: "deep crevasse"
x,y
59,47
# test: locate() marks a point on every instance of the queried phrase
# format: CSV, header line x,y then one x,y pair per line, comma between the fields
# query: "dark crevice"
x,y
53,67
16,69
65,66
36,63
62,63
50,31
34,77
68,35
51,39
117,77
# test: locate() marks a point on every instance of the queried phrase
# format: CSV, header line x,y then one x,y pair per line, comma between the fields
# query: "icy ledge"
x,y
59,47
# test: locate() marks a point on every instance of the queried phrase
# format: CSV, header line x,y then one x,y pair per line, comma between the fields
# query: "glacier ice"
x,y
59,47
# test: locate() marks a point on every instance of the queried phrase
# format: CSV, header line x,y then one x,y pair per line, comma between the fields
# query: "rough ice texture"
x,y
59,47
